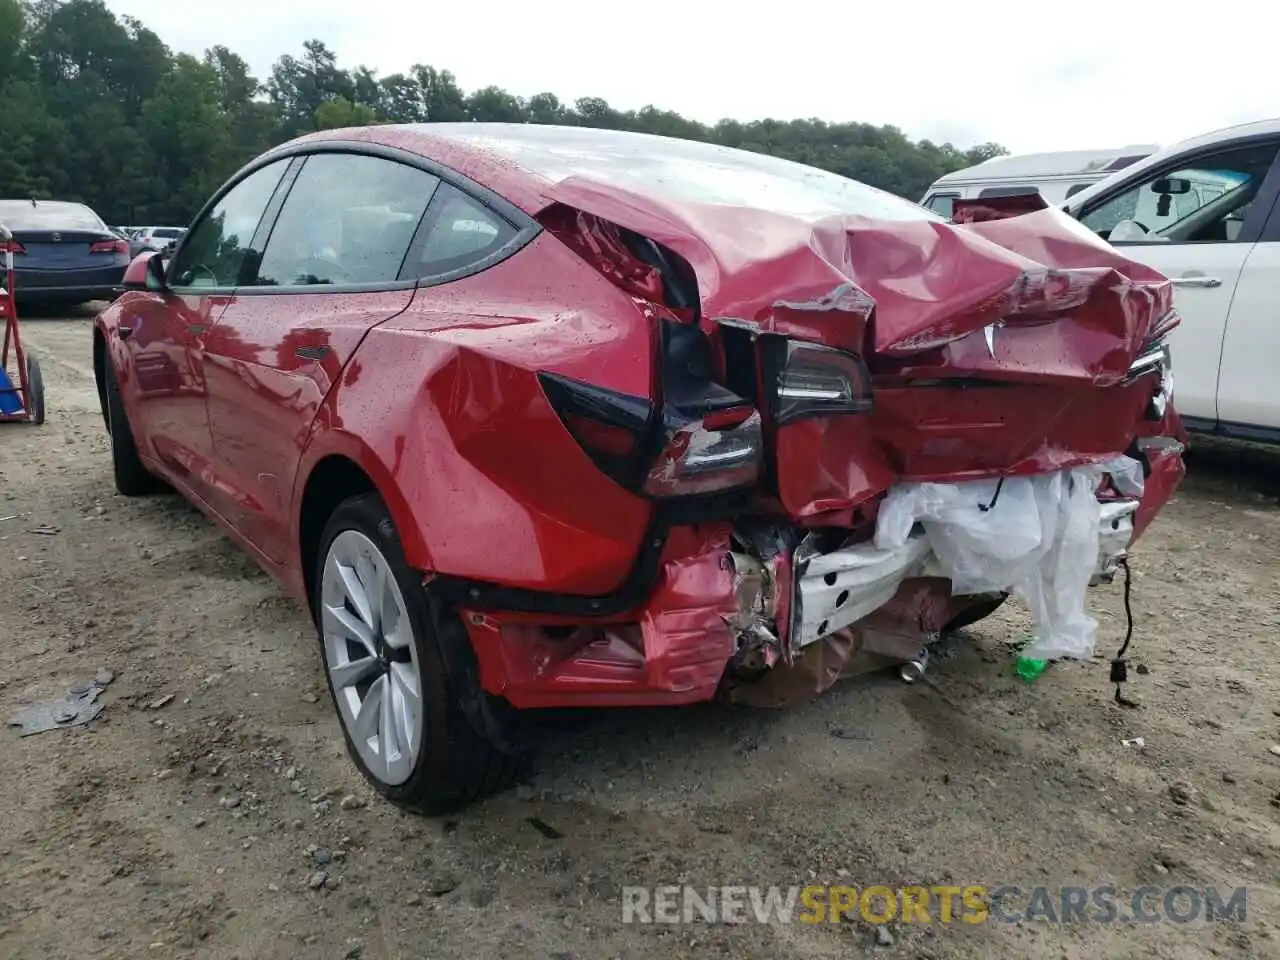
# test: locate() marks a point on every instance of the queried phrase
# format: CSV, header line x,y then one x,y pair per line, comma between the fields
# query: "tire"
x,y
35,391
975,613
132,478
454,764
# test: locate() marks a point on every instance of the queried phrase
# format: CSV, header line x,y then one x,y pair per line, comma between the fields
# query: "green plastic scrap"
x,y
1029,668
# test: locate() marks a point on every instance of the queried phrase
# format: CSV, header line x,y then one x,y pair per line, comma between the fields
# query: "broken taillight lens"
x,y
708,456
813,380
661,452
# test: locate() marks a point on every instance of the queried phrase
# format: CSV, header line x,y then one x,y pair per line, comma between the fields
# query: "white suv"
x,y
1204,213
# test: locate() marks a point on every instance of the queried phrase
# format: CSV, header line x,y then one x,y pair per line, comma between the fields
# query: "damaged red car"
x,y
532,416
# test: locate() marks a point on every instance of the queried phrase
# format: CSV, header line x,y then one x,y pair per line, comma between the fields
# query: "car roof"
x,y
1064,163
526,163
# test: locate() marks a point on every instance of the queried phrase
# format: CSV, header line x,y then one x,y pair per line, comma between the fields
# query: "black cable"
x,y
1119,667
984,507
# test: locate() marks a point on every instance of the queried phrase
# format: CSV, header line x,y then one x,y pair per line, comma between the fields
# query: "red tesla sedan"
x,y
532,416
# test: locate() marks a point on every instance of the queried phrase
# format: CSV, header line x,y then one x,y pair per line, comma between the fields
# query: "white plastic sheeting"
x,y
1037,539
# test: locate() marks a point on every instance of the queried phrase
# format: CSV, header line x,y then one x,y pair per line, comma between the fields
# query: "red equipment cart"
x,y
24,402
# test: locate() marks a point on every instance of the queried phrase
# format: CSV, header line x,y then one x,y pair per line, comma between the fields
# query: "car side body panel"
x,y
434,394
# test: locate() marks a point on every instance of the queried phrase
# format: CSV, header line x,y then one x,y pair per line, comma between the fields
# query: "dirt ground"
x,y
198,826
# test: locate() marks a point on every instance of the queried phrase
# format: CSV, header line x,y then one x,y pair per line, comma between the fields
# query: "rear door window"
x,y
348,219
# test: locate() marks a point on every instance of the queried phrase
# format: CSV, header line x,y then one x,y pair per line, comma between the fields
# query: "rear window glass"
x,y
23,215
683,170
168,232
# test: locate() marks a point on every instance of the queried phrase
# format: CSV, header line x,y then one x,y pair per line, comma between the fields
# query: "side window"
x,y
349,218
457,232
1019,190
942,203
1202,202
215,252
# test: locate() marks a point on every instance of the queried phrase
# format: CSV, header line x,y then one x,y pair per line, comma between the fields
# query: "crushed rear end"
x,y
861,434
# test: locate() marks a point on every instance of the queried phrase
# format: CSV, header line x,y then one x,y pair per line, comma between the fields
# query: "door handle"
x,y
1196,282
195,329
124,333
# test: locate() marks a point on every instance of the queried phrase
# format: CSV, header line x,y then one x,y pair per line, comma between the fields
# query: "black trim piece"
x,y
1231,431
525,226
267,224
311,353
1199,424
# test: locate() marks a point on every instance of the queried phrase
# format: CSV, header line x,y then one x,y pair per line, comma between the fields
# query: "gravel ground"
x,y
211,811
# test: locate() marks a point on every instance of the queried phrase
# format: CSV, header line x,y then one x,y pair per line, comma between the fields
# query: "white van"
x,y
1055,176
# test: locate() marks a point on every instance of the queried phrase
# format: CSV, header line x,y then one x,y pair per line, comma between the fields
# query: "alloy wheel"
x,y
371,657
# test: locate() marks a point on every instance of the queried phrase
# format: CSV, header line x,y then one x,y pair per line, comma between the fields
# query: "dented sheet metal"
x,y
995,348
928,282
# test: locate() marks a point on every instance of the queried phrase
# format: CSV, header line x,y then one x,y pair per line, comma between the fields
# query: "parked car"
x,y
1204,213
1054,176
163,239
62,252
533,416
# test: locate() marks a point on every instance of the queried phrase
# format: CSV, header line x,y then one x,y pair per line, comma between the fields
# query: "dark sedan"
x,y
63,252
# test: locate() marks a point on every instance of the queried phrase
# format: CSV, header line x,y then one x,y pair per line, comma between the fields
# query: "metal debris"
x,y
75,710
1138,742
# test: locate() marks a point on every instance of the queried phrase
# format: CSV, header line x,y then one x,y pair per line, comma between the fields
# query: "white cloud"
x,y
1033,77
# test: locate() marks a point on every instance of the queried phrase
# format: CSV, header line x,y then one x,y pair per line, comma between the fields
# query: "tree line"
x,y
96,108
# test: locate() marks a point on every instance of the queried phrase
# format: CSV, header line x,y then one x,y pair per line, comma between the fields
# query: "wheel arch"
x,y
341,471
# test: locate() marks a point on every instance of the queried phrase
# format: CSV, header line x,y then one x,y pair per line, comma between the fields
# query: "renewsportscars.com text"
x,y
973,904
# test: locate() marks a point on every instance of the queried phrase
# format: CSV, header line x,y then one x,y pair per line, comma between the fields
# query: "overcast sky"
x,y
1050,76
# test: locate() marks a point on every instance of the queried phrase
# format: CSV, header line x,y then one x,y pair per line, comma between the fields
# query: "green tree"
x,y
96,108
341,112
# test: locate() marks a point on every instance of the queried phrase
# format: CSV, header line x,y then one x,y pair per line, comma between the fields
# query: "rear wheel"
x,y
391,664
133,479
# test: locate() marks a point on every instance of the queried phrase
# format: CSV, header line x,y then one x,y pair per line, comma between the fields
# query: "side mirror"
x,y
146,272
1171,186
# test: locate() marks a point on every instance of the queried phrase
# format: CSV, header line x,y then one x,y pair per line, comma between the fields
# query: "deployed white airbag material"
x,y
1035,537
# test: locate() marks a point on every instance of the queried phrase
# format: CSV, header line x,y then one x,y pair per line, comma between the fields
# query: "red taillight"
x,y
109,246
695,454
12,246
709,456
